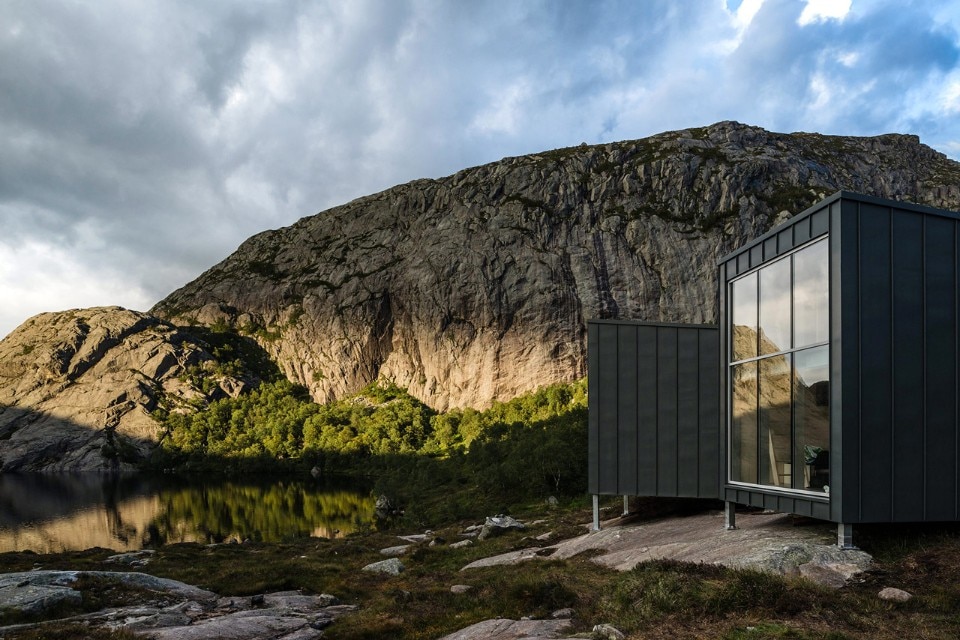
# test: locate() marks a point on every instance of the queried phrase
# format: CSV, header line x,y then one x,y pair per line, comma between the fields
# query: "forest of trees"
x,y
532,445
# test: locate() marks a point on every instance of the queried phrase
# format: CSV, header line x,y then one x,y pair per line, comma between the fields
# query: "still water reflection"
x,y
50,514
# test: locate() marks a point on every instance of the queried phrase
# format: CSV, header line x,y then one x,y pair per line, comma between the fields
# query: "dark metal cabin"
x,y
838,351
654,418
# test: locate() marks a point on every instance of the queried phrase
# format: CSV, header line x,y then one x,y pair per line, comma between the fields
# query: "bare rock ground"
x,y
763,541
181,611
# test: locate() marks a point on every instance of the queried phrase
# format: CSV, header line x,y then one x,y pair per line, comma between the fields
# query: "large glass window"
x,y
775,307
812,418
811,303
744,312
743,442
775,439
779,373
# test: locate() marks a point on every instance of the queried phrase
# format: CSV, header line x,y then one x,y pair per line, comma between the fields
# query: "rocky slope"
x,y
464,290
477,286
76,387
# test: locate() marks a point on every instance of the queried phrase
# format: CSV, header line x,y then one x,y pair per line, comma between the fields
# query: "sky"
x,y
144,140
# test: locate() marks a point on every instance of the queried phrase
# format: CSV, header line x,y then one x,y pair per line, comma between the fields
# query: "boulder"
x,y
607,632
504,629
499,524
892,594
395,551
392,567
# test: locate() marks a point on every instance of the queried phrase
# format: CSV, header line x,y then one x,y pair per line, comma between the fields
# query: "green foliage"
x,y
532,445
264,268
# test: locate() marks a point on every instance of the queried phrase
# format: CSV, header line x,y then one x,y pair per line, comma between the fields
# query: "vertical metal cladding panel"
x,y
606,406
845,362
908,355
647,407
688,413
723,275
593,408
627,369
875,483
667,411
899,365
709,414
652,422
940,368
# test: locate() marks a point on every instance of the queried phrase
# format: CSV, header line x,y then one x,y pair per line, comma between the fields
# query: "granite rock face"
x,y
476,287
177,611
463,290
77,388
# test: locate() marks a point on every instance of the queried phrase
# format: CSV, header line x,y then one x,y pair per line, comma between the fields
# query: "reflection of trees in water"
x,y
267,513
54,513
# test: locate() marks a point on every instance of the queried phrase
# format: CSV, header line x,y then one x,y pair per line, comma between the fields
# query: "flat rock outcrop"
x,y
505,629
476,287
765,542
177,612
77,388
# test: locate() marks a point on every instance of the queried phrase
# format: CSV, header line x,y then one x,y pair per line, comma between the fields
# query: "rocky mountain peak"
x,y
477,287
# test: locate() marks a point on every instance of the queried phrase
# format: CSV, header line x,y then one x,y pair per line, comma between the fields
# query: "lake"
x,y
55,513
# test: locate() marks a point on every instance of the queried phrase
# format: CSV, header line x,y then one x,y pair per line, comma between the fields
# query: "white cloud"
x,y
506,110
949,99
40,277
746,11
848,58
821,10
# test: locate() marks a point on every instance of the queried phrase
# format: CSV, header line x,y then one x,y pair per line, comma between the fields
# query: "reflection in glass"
x,y
743,435
812,415
775,307
780,420
811,295
744,293
775,421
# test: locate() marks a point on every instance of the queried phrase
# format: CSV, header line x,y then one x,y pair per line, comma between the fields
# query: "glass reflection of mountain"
x,y
745,342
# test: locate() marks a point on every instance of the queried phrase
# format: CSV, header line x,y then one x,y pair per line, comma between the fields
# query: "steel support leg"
x,y
729,516
596,512
845,536
626,505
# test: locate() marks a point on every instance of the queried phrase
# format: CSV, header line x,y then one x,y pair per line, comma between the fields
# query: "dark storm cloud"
x,y
144,141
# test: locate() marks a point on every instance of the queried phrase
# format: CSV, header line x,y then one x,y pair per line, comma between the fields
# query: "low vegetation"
x,y
655,600
447,470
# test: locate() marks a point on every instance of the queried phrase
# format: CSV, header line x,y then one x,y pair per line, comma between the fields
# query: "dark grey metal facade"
x,y
654,419
894,353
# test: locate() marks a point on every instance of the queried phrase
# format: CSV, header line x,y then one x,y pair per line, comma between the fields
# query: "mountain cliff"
x,y
77,387
476,287
463,290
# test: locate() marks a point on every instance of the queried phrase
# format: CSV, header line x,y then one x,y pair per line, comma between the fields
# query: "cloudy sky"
x,y
143,140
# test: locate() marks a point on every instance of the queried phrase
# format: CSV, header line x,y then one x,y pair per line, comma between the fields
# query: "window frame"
x,y
730,363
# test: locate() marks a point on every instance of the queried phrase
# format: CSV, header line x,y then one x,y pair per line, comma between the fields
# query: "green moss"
x,y
295,315
264,268
787,197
